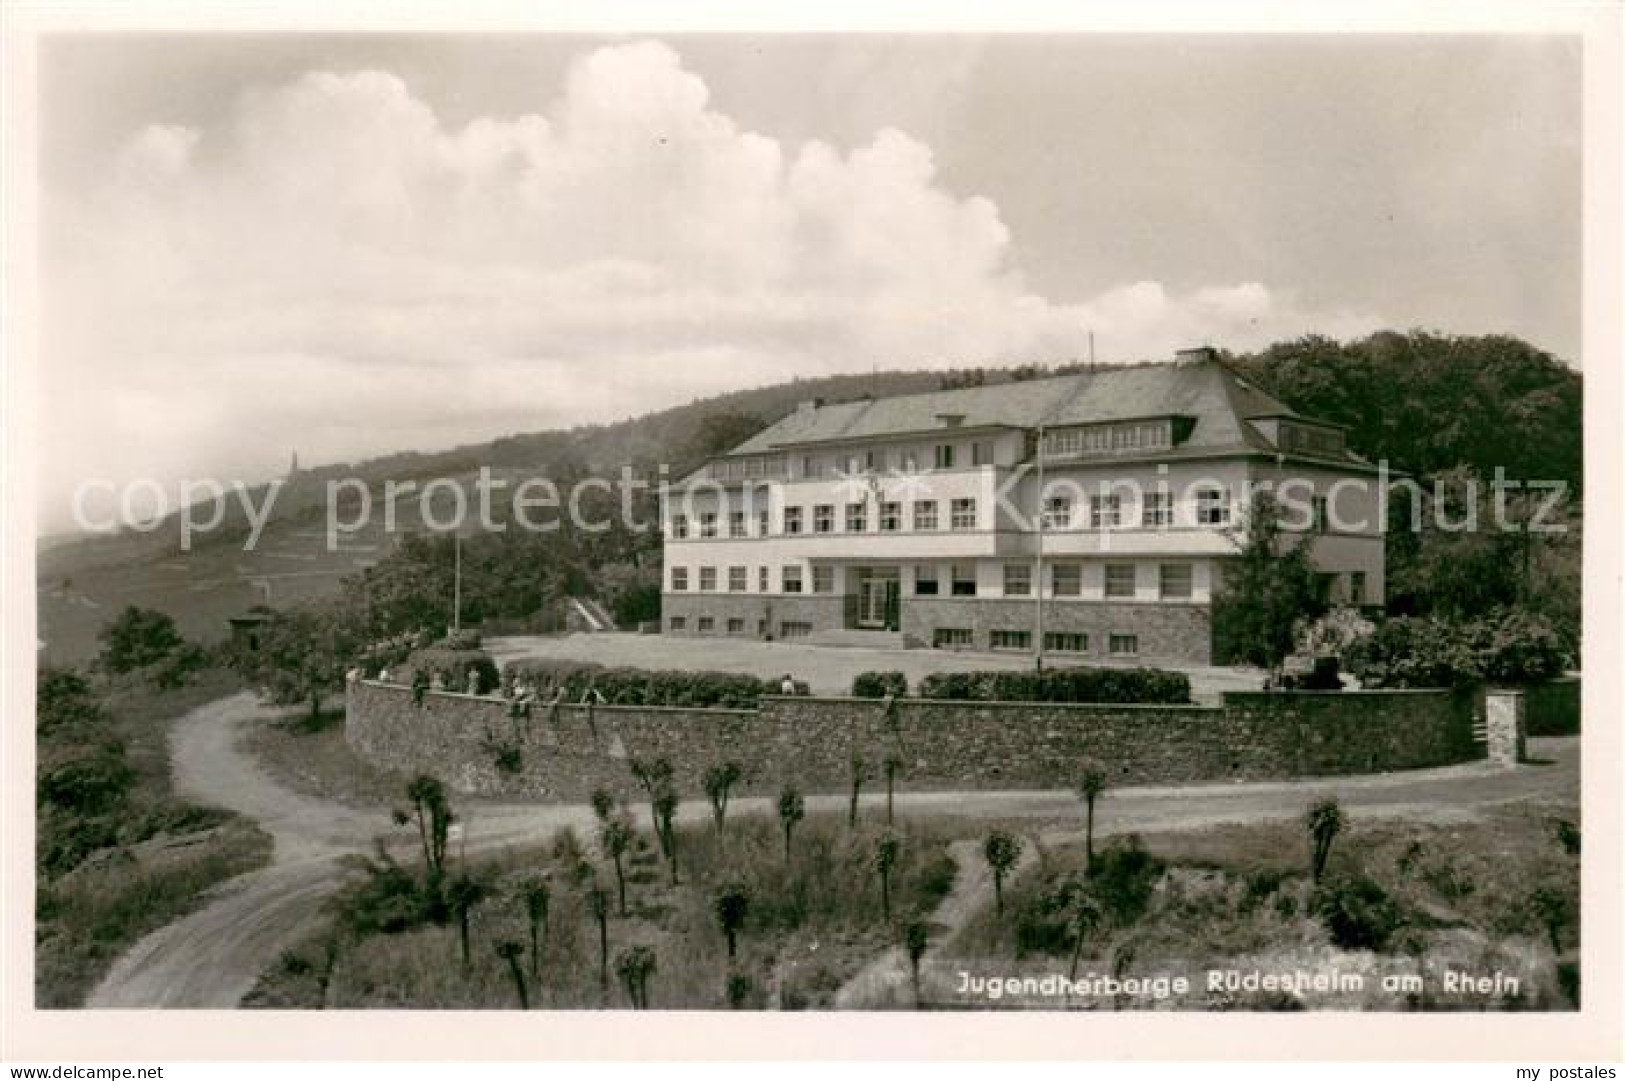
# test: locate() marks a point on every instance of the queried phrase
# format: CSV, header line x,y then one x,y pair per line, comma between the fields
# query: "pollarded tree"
x,y
665,809
1325,822
792,809
888,847
463,896
860,773
603,804
893,766
1084,913
1091,783
598,908
916,940
537,896
655,775
634,966
432,813
1001,850
616,837
719,781
732,904
511,952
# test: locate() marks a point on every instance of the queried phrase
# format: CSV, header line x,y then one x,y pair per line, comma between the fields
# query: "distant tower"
x,y
293,466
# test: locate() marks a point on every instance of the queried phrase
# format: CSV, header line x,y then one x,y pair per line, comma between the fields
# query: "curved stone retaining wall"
x,y
473,745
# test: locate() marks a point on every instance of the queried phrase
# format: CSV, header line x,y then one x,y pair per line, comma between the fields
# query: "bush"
x,y
1125,874
1322,676
647,687
1510,647
1356,912
464,639
879,684
1099,685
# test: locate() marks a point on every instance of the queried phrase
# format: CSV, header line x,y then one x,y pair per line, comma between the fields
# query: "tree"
x,y
463,895
511,952
433,816
665,808
603,804
598,907
655,777
615,836
732,903
1325,822
719,781
303,655
916,940
634,966
894,766
1001,850
1085,914
1268,589
537,897
1091,783
888,847
792,809
860,773
137,638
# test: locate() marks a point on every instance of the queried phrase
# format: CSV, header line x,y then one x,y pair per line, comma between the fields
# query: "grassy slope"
x,y
169,852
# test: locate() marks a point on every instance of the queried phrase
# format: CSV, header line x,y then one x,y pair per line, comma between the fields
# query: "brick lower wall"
x,y
945,745
819,611
1166,632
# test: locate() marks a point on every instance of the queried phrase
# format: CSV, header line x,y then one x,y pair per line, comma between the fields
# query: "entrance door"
x,y
877,601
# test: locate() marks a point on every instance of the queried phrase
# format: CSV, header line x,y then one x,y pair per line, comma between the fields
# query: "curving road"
x,y
212,957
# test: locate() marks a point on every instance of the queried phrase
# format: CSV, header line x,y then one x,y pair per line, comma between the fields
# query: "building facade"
x,y
1088,515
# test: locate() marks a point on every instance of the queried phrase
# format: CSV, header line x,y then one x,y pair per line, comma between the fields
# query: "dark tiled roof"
x,y
1217,399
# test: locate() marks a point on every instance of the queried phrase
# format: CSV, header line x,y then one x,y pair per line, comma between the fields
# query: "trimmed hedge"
x,y
453,666
1097,685
647,687
879,684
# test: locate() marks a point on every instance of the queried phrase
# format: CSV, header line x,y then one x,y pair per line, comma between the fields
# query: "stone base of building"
x,y
1117,630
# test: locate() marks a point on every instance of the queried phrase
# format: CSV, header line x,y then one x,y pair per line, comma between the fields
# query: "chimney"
x,y
1199,355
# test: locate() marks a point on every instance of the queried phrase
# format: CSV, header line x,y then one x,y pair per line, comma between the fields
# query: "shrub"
x,y
647,687
1102,685
879,684
454,665
1123,878
1507,647
460,640
1356,912
1515,647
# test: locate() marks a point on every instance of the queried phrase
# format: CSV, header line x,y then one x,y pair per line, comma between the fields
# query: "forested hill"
x,y
1428,402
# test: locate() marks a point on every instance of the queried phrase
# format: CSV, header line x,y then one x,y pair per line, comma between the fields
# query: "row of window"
x,y
1117,644
1104,438
789,628
877,459
1066,580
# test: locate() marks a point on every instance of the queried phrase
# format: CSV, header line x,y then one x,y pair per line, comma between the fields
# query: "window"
x,y
763,524
964,580
792,521
678,623
1066,579
911,462
792,578
679,527
1119,579
952,638
761,580
925,515
708,579
1010,639
963,514
891,517
1123,644
925,580
945,456
1175,581
1062,444
1356,587
707,624
870,460
824,518
679,579
1066,642
708,524
794,629
857,517
736,626
1018,579
981,452
1105,511
738,579
736,524
823,579
1158,509
1057,512
1212,506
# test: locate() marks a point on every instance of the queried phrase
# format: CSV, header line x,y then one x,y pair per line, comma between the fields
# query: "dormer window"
x,y
951,420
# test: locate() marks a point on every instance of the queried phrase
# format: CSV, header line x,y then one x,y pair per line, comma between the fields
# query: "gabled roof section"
x,y
1217,401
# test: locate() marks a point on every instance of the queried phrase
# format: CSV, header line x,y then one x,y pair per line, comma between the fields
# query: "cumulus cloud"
x,y
337,268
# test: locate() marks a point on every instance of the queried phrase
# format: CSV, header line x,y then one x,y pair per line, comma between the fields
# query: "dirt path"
x,y
212,957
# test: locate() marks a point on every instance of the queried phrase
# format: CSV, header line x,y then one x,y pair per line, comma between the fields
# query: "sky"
x,y
354,245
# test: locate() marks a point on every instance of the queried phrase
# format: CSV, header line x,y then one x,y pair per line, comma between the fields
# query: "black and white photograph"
x,y
909,523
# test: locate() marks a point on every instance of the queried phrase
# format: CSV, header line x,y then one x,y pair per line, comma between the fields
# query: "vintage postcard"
x,y
1032,534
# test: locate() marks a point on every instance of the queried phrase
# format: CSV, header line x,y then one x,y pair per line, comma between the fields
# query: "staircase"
x,y
586,614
